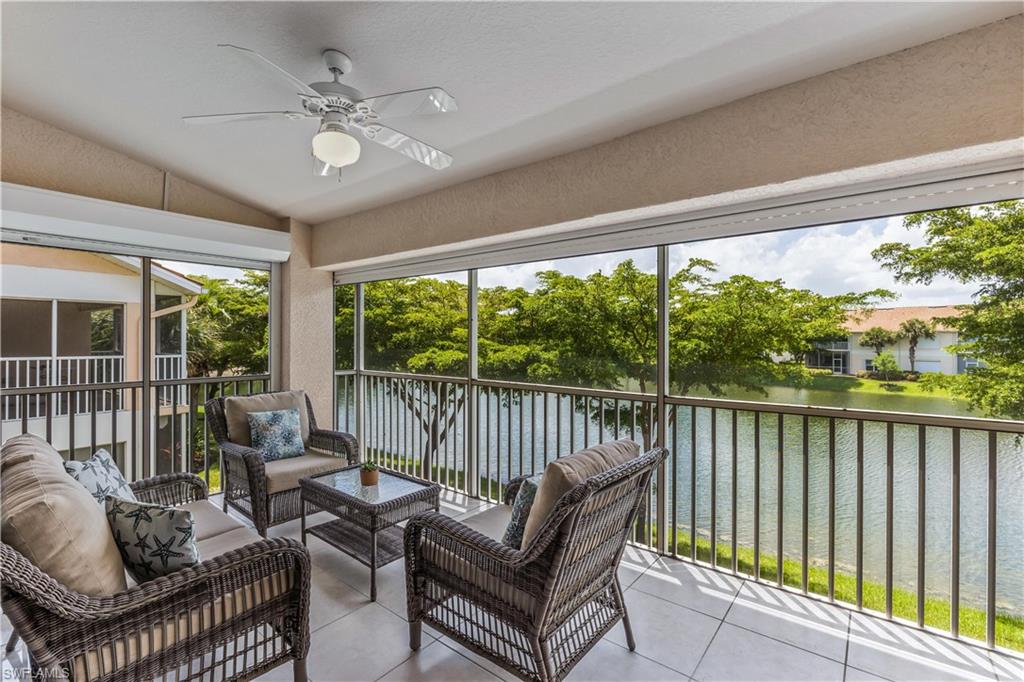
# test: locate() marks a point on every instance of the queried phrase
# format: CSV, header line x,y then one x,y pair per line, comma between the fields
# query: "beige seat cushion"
x,y
237,408
209,520
225,542
565,473
52,519
284,474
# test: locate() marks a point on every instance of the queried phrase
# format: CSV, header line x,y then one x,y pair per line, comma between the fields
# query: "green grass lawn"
x,y
851,384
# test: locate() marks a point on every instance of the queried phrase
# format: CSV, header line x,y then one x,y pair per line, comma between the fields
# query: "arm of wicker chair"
x,y
170,489
62,628
456,537
336,443
246,470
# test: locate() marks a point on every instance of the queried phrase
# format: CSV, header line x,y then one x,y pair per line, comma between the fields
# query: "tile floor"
x,y
690,623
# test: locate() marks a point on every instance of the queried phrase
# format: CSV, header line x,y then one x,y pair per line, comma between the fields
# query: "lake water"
x,y
524,423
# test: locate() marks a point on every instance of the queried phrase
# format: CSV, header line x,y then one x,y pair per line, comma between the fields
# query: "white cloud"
x,y
831,259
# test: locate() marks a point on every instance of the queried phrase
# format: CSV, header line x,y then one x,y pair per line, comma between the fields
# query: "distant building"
x,y
847,356
73,317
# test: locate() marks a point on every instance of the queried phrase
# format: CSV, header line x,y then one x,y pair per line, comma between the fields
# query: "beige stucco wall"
x,y
307,321
962,90
38,154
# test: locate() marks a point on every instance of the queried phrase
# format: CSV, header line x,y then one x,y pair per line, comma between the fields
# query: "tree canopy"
x,y
983,246
877,338
228,328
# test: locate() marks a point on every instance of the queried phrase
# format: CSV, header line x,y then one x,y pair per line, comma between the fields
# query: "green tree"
x,y
913,330
877,338
885,364
983,246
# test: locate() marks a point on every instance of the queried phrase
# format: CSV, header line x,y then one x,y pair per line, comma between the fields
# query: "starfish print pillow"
x,y
276,434
100,476
153,540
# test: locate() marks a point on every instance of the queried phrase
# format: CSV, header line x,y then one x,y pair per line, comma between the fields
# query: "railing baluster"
x,y
545,429
522,432
558,425
113,429
572,424
954,570
735,466
779,511
693,482
921,476
508,435
71,427
757,495
486,450
206,449
990,586
860,514
804,485
24,413
714,486
831,509
675,471
889,445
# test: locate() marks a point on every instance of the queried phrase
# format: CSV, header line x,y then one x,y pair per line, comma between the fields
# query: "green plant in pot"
x,y
369,473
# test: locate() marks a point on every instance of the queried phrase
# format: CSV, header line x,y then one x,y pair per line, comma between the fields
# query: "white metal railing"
x,y
38,371
170,367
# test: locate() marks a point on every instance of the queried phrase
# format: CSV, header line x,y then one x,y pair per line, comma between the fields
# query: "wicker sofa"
x,y
268,492
537,610
241,611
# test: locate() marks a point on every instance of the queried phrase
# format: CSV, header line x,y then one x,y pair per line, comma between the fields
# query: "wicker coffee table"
x,y
367,516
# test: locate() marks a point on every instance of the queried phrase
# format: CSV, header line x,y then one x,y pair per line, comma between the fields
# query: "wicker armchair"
x,y
244,475
236,615
538,610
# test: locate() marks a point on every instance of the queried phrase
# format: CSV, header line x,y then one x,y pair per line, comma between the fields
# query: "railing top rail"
x,y
411,375
954,421
211,380
609,394
70,388
912,418
117,385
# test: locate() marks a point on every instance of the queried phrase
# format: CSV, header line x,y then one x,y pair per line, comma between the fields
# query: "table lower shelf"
x,y
356,541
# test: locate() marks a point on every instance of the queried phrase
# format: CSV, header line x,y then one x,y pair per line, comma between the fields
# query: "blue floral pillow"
x,y
276,434
520,511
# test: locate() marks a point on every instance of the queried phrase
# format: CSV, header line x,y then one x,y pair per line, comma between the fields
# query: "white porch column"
x,y
307,326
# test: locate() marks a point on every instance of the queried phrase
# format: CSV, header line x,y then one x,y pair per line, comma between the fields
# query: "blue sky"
x,y
831,259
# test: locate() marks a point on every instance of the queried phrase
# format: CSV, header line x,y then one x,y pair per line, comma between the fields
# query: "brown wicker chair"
x,y
538,610
236,615
243,472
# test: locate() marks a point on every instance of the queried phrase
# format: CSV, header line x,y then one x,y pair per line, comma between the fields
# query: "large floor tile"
x,y
856,675
794,619
901,653
608,662
1008,667
737,654
342,567
330,598
488,665
698,588
363,645
635,561
438,663
667,633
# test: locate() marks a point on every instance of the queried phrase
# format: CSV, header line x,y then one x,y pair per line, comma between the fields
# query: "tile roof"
x,y
890,318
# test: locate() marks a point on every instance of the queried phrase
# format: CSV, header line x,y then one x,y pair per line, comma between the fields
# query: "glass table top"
x,y
389,488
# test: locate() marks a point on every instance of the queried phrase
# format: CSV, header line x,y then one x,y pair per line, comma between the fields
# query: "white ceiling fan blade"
x,y
411,103
273,68
409,146
246,116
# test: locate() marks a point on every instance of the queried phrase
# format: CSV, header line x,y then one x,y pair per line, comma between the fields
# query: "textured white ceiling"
x,y
532,79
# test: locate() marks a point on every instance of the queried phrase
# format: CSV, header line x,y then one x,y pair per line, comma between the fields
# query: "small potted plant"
x,y
369,473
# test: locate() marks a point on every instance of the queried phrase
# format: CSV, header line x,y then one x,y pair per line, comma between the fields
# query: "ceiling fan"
x,y
343,111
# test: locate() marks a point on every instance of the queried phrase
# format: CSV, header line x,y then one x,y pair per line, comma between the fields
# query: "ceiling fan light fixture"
x,y
334,146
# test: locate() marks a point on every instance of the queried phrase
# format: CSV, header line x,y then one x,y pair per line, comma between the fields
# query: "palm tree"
x,y
913,330
877,338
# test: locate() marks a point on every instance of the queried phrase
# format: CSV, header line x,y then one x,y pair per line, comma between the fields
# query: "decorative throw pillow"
x,y
276,434
520,511
153,540
100,476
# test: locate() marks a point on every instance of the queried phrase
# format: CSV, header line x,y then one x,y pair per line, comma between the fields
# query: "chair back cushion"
x,y
52,520
565,473
237,409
